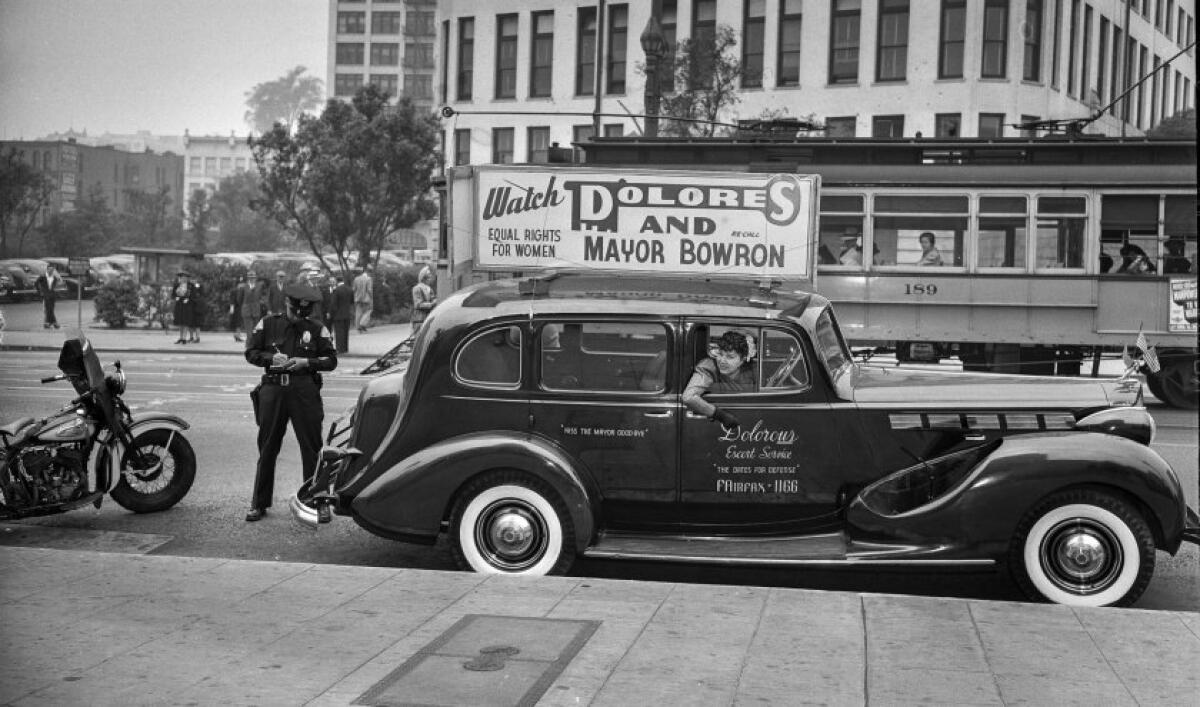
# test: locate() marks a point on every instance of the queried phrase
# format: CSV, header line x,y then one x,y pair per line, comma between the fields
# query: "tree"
x,y
1179,125
706,72
148,217
351,177
199,218
87,230
24,192
241,227
283,100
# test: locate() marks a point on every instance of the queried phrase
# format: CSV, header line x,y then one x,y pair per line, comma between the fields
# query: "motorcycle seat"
x,y
15,427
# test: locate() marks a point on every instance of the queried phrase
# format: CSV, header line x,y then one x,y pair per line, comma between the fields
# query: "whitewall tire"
x,y
511,523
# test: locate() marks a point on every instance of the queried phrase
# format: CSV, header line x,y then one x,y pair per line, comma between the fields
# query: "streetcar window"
x,y
1002,231
1061,225
926,230
1179,233
841,236
1129,233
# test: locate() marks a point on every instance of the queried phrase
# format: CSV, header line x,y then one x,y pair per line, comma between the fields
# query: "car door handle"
x,y
664,413
975,438
695,416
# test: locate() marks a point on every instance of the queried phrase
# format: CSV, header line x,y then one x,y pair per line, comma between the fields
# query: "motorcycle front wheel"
x,y
165,474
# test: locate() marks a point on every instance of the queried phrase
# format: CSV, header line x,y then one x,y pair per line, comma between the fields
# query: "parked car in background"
x,y
7,288
105,271
28,270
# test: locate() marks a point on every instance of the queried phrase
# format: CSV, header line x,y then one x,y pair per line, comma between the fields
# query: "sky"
x,y
162,66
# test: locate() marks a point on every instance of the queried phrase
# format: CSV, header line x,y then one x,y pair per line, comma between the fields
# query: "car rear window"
x,y
491,358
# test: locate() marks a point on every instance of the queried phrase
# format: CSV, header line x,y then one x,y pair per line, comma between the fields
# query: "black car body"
x,y
541,419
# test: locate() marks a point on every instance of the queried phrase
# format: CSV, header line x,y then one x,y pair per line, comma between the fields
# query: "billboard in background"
x,y
699,223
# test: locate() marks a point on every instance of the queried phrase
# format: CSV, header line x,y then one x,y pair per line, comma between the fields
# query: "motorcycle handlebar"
x,y
51,379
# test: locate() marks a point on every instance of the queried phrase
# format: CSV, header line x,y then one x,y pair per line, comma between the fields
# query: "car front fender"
x,y
409,500
980,514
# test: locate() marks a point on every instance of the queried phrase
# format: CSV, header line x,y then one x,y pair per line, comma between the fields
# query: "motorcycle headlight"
x,y
114,380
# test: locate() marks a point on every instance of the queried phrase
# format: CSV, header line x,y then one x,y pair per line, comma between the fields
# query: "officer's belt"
x,y
283,378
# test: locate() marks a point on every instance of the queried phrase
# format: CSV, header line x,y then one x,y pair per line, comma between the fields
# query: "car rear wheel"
x,y
511,523
1083,548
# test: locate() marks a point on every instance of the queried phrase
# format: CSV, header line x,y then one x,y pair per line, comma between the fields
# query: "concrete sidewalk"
x,y
124,629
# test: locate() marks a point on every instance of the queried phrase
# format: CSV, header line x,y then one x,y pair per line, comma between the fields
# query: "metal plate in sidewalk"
x,y
484,660
54,537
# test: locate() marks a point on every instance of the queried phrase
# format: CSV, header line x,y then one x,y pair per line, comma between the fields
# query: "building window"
x,y
614,130
1002,231
1141,71
952,38
754,23
542,53
666,68
418,55
385,54
1032,63
1054,43
840,127
210,167
351,22
618,31
581,133
445,61
418,87
226,165
891,62
194,166
385,23
466,57
347,84
537,143
887,126
387,83
789,43
418,23
947,125
239,164
704,20
462,147
1154,84
1116,83
991,125
1085,69
1102,61
1027,120
995,39
843,50
585,52
350,53
1072,38
506,56
1165,106
502,145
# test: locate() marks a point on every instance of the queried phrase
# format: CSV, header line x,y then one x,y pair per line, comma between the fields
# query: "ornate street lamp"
x,y
654,46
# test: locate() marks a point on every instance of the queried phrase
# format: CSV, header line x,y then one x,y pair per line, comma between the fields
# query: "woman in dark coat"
x,y
183,312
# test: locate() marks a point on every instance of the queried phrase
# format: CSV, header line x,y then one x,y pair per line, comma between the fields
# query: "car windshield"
x,y
830,345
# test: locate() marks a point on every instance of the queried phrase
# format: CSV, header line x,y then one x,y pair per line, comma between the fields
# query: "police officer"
x,y
294,350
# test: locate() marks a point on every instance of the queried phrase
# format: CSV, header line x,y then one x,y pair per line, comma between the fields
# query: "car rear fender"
x,y
982,510
412,498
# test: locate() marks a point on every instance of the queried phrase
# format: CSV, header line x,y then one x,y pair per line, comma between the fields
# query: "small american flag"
x,y
1149,355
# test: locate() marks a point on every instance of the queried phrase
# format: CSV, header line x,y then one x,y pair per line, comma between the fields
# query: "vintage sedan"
x,y
541,420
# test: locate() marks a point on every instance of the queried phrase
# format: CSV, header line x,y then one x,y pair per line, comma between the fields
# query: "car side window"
x,y
603,356
782,361
491,358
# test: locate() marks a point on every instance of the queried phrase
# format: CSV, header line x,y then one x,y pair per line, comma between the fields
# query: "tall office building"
x,y
388,43
524,75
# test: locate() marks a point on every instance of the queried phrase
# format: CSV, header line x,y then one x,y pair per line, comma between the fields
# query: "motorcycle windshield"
x,y
78,360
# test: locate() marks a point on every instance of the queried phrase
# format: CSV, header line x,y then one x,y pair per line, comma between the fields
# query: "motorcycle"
x,y
92,446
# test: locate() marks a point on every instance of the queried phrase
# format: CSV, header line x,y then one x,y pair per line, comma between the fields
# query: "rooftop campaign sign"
x,y
701,223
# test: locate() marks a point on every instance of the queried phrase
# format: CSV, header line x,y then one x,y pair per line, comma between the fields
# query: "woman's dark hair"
x,y
932,238
734,341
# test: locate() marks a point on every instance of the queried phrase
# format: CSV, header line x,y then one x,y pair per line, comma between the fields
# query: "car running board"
x,y
830,549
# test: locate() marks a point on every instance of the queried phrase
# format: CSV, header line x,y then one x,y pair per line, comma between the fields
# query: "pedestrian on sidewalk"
x,y
364,298
182,311
275,298
294,350
254,306
423,299
341,310
46,285
237,298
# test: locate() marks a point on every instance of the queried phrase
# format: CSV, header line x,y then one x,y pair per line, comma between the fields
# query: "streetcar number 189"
x,y
920,289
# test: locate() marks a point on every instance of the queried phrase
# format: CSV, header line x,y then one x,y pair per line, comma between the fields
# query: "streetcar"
x,y
1024,255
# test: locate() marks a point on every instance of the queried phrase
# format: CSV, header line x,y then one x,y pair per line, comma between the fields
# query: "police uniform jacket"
x,y
294,339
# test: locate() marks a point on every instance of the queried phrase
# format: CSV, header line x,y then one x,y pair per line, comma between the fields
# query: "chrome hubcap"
x,y
1081,556
511,535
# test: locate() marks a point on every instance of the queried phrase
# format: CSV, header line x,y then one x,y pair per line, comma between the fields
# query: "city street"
x,y
210,391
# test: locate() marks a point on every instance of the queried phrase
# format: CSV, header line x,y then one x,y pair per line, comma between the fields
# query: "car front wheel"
x,y
1083,548
511,523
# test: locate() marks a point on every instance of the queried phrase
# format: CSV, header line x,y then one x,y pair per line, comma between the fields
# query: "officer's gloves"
x,y
726,419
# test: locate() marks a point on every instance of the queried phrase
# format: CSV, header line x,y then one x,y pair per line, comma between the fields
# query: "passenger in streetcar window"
x,y
729,368
1175,261
851,254
1106,261
929,251
1134,261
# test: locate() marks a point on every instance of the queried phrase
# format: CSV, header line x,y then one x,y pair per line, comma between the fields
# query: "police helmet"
x,y
301,297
